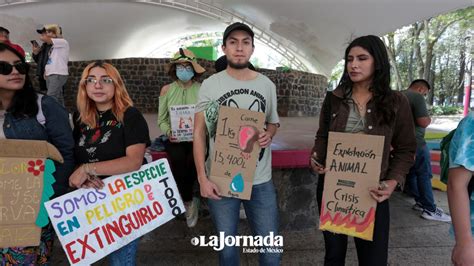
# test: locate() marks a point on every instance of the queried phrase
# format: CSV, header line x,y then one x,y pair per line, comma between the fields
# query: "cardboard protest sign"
x,y
354,162
92,223
26,178
182,122
236,151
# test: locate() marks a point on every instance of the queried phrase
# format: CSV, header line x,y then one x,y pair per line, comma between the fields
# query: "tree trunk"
x,y
412,53
431,80
392,53
462,70
417,46
441,89
429,52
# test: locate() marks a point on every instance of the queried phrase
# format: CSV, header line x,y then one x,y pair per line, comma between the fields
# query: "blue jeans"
x,y
419,179
262,214
124,256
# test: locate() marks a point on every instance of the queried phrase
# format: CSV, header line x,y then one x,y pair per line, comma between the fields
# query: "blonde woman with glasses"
x,y
110,136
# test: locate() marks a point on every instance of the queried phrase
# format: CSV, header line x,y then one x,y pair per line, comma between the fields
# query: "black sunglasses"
x,y
7,68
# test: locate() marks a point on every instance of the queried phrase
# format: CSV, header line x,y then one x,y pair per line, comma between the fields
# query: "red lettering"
x,y
70,253
107,235
153,216
138,218
113,228
145,215
119,186
85,246
157,207
126,230
135,225
111,189
96,233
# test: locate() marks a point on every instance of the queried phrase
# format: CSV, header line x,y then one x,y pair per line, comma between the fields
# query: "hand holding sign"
x,y
264,139
93,182
315,165
383,191
209,189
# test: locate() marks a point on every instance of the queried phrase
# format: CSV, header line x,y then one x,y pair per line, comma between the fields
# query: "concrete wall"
x,y
299,93
296,192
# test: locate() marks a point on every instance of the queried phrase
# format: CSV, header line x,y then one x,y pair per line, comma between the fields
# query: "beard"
x,y
237,66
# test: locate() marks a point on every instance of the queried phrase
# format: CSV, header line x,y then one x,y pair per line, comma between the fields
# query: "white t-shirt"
x,y
2,120
58,58
258,95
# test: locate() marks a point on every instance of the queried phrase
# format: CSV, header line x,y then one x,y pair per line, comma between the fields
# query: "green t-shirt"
x,y
418,109
175,95
355,122
258,95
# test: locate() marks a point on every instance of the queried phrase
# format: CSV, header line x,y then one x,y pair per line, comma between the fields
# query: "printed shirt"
x,y
258,95
58,58
110,139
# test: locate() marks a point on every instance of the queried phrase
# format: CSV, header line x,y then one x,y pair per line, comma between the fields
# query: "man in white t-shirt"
x,y
239,87
56,69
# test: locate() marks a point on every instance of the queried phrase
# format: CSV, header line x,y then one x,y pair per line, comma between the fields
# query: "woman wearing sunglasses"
x,y
19,108
184,70
110,136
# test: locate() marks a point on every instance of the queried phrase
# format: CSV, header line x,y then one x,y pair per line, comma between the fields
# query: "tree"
x,y
390,43
435,49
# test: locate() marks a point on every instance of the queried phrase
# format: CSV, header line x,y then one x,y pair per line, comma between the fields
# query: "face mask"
x,y
184,75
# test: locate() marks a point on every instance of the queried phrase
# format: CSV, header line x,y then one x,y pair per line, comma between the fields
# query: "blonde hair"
x,y
87,107
53,28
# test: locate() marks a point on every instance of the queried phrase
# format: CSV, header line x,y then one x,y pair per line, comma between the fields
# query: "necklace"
x,y
101,113
361,106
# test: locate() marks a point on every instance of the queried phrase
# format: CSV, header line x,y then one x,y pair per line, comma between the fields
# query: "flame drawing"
x,y
347,224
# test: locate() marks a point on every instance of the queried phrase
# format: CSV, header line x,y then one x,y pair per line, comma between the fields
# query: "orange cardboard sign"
x,y
236,151
354,162
22,167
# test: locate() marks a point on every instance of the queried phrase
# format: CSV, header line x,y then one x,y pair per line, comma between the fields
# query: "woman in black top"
x,y
110,136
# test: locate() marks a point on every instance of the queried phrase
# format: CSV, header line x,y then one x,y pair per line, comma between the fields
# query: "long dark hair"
x,y
380,87
24,100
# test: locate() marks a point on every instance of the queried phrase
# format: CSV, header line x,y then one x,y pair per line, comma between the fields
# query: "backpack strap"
x,y
40,116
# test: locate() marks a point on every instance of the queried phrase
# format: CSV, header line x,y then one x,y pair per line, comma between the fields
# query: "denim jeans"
x,y
262,214
419,179
55,85
125,256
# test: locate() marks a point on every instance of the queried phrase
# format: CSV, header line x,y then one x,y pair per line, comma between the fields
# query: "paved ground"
x,y
413,241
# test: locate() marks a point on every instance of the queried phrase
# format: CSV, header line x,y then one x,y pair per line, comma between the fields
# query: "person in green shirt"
x,y
176,100
419,178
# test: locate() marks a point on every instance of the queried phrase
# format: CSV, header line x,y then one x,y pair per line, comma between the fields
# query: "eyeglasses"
x,y
181,68
7,68
102,81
